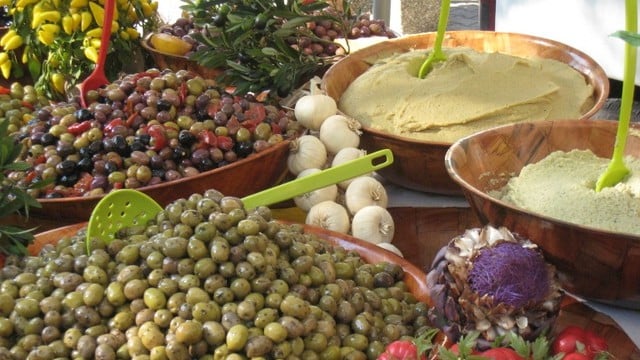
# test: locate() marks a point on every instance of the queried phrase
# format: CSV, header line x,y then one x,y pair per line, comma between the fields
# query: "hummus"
x,y
468,92
562,185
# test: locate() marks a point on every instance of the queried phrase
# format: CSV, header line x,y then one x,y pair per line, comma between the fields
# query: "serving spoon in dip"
x,y
617,170
437,54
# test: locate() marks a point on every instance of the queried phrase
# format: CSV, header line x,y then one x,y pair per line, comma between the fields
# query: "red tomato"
x,y
567,343
501,354
579,343
401,349
576,356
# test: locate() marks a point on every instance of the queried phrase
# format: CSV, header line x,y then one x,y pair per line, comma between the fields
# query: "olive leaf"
x,y
630,37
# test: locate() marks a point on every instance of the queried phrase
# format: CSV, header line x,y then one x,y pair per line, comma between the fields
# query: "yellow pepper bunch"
x,y
57,41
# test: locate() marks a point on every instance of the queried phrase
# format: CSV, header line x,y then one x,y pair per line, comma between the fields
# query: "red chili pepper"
x,y
183,92
79,128
108,127
208,137
41,159
4,90
275,128
158,137
574,339
30,176
83,184
225,143
27,105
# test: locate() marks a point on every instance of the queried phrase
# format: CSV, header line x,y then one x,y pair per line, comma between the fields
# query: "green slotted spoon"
x,y
128,207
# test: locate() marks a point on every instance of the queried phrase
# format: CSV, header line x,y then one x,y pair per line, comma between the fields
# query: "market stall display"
x,y
419,162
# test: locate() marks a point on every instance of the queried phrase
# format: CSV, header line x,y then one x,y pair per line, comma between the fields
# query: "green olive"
x,y
237,337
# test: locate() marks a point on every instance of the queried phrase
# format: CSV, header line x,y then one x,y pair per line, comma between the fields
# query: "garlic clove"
x,y
306,152
329,215
364,191
374,224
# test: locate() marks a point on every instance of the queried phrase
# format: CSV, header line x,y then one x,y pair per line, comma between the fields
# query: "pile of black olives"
x,y
205,280
144,129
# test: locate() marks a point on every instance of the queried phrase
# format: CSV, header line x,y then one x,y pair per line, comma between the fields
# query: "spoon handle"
x,y
330,176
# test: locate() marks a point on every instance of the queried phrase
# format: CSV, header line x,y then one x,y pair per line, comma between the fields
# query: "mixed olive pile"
x,y
204,280
144,129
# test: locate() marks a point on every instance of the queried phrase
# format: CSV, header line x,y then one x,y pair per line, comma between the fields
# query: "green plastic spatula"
x,y
437,54
617,170
127,207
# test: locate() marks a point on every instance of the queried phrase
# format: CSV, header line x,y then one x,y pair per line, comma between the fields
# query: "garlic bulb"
x,y
338,132
374,224
344,155
311,110
329,215
307,200
389,246
364,191
306,152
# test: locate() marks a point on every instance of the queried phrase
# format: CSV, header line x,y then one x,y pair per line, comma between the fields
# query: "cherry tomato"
x,y
401,349
576,341
501,354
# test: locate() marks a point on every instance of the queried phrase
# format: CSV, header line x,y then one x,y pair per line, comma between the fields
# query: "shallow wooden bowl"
x,y
596,264
174,62
256,172
419,165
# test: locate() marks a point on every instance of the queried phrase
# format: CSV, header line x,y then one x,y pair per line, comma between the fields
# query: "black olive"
x,y
186,138
219,20
202,115
54,195
180,153
68,180
243,148
95,147
64,149
120,145
85,164
83,114
47,139
137,145
144,138
163,105
260,21
206,164
110,167
158,173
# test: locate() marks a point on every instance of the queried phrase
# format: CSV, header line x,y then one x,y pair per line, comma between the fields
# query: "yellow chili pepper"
x,y
46,37
5,2
77,20
45,16
13,43
25,55
115,26
52,28
147,10
57,80
95,43
133,33
4,57
91,53
23,3
78,3
67,24
95,32
124,35
8,35
86,20
6,69
97,11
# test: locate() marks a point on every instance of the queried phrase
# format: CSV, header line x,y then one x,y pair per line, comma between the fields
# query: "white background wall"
x,y
583,24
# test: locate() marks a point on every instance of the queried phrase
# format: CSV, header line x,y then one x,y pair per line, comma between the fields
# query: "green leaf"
x,y
632,38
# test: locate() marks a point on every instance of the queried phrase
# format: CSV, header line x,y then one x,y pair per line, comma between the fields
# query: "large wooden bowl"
x,y
597,264
256,172
419,165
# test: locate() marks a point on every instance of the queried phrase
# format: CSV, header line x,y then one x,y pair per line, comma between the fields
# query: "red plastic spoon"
x,y
98,78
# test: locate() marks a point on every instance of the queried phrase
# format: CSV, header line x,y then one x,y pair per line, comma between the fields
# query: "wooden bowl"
x,y
419,165
597,264
249,175
174,62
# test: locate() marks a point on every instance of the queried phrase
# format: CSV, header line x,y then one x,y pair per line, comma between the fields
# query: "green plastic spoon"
x,y
128,207
617,170
437,54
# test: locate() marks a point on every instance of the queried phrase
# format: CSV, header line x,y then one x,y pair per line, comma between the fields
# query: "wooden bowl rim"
x,y
597,71
559,123
177,182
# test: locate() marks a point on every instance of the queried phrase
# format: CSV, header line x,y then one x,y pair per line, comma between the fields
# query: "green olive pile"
x,y
205,280
144,129
17,103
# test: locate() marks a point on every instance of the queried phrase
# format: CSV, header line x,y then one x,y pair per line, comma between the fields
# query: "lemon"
x,y
169,44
